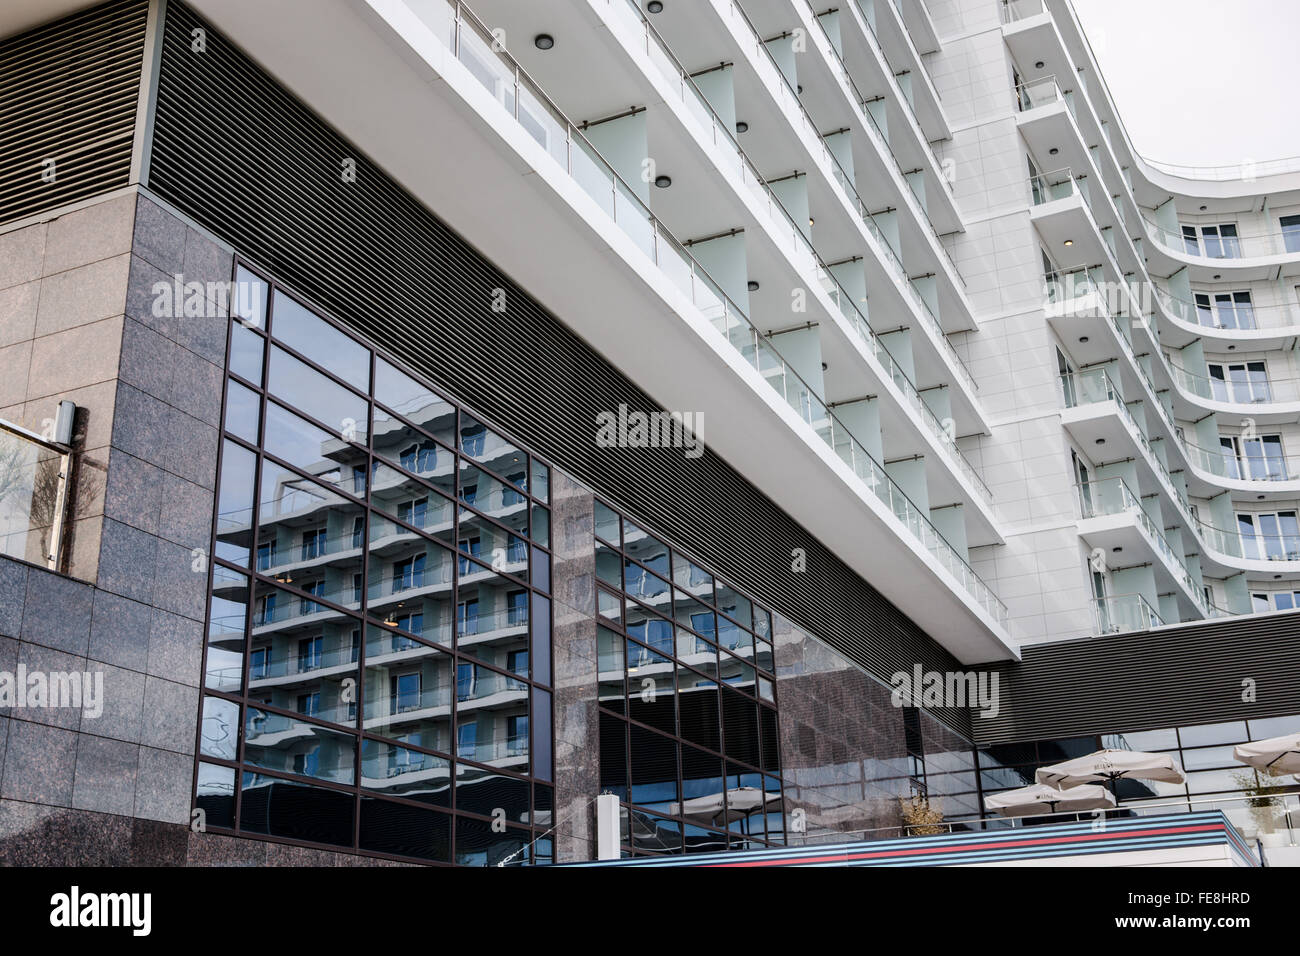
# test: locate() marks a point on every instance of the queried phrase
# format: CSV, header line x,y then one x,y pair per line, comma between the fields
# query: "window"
x,y
309,704
358,479
472,439
517,552
467,617
1213,242
512,495
1257,459
356,588
517,602
517,661
414,512
469,494
518,729
1291,233
466,734
266,609
1242,382
309,654
307,764
405,692
1225,310
420,458
316,588
408,574
358,531
257,663
1270,536
408,622
313,544
265,555
471,546
466,675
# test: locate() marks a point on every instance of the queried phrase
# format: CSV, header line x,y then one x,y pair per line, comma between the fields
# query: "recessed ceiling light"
x,y
1069,242
1203,208
1277,577
1116,550
1259,497
655,6
663,182
753,286
543,41
1219,276
1038,65
800,89
1083,338
1232,348
1053,151
810,220
742,126
1101,441
825,366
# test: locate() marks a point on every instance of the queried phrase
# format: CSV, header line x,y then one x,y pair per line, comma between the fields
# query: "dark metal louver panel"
x,y
68,94
379,261
1150,680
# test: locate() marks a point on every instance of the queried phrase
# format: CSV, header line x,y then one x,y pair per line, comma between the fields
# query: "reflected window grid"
x,y
336,754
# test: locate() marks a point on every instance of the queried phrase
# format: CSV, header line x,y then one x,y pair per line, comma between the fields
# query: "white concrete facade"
x,y
821,229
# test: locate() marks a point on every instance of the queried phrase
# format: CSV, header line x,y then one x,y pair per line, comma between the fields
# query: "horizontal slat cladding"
x,y
68,94
369,253
1149,680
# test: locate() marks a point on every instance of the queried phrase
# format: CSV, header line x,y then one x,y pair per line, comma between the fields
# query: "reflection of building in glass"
x,y
388,646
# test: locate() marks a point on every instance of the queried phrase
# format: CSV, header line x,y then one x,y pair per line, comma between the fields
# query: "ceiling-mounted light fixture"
x,y
655,6
1101,441
752,286
1053,151
1082,339
663,182
1069,242
742,126
1038,65
543,41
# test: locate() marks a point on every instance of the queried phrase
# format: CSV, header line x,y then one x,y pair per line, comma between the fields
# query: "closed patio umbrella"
x,y
741,802
1109,766
1040,798
1276,756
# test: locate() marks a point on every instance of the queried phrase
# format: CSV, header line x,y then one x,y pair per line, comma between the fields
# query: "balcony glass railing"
x,y
1228,311
472,43
1041,92
1112,496
33,496
1013,10
1258,461
1122,613
1228,244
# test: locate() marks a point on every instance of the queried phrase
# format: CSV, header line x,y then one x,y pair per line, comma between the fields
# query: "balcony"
x,y
1122,613
1246,255
1112,517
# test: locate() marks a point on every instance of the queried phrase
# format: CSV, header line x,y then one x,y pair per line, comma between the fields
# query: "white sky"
x,y
1201,82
